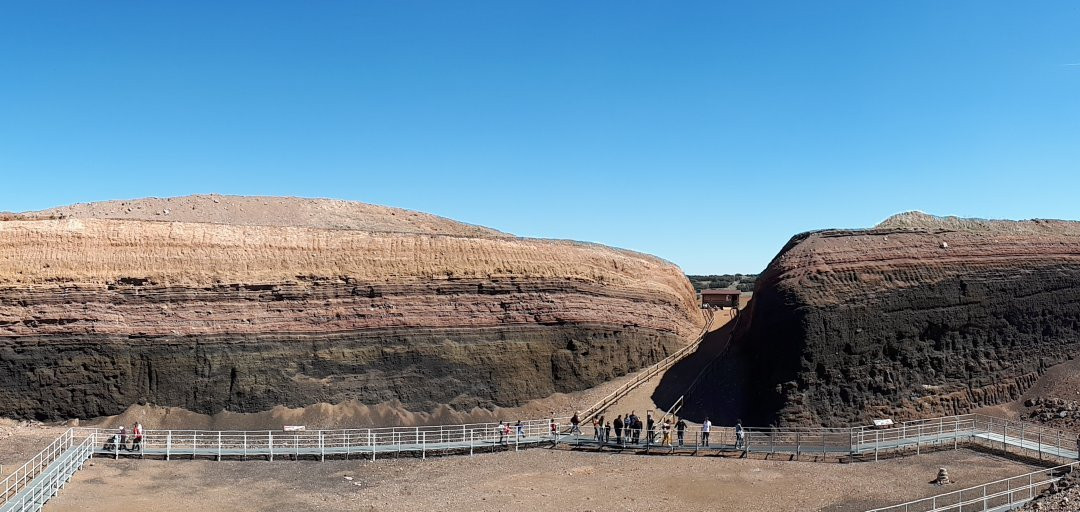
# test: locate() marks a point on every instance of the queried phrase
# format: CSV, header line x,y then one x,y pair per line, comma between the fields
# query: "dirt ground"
x,y
538,479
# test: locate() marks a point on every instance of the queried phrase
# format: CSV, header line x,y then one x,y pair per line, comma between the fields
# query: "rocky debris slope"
x,y
1054,412
919,316
1063,495
97,314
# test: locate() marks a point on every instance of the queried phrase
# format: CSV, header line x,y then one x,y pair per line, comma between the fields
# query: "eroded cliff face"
x,y
920,316
97,314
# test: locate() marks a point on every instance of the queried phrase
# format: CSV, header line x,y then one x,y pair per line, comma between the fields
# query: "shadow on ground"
x,y
717,394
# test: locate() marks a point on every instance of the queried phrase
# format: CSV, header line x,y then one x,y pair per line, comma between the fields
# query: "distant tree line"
x,y
741,282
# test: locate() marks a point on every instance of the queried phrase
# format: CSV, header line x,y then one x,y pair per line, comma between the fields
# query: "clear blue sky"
x,y
705,133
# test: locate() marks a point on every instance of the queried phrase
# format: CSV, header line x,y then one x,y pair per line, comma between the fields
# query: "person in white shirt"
x,y
705,426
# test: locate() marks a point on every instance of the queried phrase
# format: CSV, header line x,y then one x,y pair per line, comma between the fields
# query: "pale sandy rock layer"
x,y
97,314
920,316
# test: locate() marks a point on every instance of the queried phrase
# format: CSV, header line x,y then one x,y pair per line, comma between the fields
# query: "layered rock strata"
x,y
919,316
98,314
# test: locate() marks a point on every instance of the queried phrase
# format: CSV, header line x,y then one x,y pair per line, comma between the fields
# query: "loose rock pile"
x,y
1055,411
1063,495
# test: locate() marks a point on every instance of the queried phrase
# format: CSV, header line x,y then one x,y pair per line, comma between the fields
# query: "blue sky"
x,y
705,133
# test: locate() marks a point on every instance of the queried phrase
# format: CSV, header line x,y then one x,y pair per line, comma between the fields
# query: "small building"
x,y
720,298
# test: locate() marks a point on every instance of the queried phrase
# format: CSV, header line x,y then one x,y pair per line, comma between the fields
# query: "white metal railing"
x,y
19,479
370,442
48,482
995,495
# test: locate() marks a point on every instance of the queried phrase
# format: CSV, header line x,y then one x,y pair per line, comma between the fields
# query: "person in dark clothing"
x,y
680,430
605,431
632,425
575,423
618,429
650,427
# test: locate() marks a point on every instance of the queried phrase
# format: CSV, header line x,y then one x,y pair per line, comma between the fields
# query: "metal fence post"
x,y
168,444
194,443
270,443
219,446
472,438
371,442
798,446
423,446
322,447
244,456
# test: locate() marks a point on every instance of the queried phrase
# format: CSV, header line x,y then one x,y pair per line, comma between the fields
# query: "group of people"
x,y
504,430
122,437
628,430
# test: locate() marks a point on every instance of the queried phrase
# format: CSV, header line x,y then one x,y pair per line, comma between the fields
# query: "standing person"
x,y
554,426
740,435
596,429
680,430
633,427
650,429
705,426
618,429
501,431
666,427
575,423
520,429
122,437
607,432
136,442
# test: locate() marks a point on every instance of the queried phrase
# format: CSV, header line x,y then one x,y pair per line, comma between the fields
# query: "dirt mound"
x,y
924,221
270,211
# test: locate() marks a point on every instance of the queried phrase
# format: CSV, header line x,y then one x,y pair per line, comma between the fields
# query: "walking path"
x,y
43,477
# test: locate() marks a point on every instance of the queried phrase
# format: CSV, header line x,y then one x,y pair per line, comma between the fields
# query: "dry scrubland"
x,y
538,479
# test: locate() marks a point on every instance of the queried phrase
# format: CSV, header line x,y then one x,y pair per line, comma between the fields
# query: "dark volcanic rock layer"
x,y
919,316
99,314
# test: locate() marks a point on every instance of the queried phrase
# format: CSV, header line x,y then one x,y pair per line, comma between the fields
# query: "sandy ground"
x,y
538,479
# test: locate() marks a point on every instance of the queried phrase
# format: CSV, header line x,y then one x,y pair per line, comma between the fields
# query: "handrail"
x,y
22,476
48,482
647,374
1062,469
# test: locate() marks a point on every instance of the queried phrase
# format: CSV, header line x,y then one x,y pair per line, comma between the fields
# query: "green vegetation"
x,y
741,282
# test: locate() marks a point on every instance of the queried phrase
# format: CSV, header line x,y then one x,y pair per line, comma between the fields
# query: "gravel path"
x,y
534,480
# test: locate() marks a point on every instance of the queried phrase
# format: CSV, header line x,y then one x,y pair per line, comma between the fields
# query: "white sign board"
x,y
887,422
294,428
